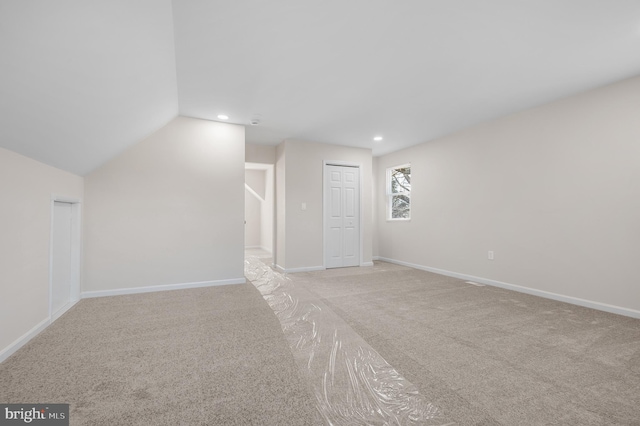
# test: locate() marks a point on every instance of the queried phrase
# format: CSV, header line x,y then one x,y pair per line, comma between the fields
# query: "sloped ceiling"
x,y
81,81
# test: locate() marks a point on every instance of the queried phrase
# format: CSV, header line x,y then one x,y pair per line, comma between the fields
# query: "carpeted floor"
x,y
210,356
217,356
489,356
352,383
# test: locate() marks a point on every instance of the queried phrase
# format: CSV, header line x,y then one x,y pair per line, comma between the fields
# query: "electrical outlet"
x,y
490,255
304,206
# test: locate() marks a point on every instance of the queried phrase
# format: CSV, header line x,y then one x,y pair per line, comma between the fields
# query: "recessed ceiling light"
x,y
377,138
223,117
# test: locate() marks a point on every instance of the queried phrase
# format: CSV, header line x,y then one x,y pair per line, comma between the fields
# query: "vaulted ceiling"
x,y
81,81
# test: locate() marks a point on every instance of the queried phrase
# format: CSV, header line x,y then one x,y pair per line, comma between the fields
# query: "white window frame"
x,y
390,195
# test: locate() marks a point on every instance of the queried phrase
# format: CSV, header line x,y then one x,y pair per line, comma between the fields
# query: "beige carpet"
x,y
211,356
217,356
488,356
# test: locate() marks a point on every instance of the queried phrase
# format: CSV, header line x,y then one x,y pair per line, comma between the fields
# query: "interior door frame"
x,y
326,163
76,250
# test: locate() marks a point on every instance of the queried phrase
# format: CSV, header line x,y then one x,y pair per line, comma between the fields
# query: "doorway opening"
x,y
259,211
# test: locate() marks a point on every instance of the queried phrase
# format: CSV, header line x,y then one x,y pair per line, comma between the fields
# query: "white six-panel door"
x,y
342,216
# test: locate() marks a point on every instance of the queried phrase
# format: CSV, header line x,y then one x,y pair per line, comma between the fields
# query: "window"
x,y
399,192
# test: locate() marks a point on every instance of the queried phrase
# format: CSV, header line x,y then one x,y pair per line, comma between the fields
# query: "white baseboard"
x,y
153,288
294,270
541,293
375,257
309,268
22,340
303,269
64,309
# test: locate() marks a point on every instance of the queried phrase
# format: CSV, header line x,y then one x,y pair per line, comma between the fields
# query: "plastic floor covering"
x,y
352,383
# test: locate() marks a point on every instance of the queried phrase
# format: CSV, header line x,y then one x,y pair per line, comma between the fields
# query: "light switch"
x,y
304,206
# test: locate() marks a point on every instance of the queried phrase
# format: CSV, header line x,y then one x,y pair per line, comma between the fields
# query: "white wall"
x,y
267,212
279,257
252,207
255,179
26,187
375,244
554,191
265,154
168,210
304,183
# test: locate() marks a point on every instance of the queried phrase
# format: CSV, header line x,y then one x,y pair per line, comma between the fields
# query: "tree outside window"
x,y
399,192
